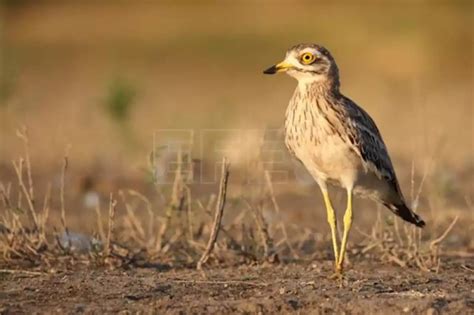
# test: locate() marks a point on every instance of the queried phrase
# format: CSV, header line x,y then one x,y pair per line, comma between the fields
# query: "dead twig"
x,y
23,135
224,282
176,204
267,241
233,242
4,192
112,206
61,192
218,214
19,173
100,224
149,209
25,272
435,243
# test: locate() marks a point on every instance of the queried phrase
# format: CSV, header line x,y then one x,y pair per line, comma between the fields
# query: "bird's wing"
x,y
365,138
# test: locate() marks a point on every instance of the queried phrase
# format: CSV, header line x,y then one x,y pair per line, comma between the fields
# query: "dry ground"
x,y
369,288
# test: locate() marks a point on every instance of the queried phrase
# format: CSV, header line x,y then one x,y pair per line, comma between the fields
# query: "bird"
x,y
337,141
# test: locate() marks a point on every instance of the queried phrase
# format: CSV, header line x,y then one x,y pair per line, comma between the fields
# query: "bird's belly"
x,y
329,158
333,161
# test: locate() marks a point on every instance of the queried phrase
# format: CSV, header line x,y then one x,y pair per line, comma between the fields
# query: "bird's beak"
x,y
281,67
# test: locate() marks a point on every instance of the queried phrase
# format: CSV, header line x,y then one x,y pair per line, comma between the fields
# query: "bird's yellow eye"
x,y
307,58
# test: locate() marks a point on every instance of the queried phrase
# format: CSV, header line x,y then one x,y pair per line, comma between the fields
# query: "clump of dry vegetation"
x,y
134,231
406,246
185,232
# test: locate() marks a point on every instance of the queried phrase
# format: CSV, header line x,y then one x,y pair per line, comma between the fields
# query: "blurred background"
x,y
107,80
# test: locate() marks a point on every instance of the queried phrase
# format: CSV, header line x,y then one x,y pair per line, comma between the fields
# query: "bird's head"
x,y
308,63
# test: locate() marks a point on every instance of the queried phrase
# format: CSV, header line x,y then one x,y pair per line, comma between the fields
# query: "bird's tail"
x,y
406,213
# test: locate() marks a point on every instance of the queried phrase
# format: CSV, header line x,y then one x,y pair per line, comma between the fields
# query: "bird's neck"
x,y
319,97
324,88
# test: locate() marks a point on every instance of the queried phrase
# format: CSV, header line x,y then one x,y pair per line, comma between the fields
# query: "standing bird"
x,y
336,140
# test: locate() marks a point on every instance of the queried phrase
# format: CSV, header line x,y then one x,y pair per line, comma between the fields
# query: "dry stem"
x,y
112,206
262,226
19,173
61,193
218,214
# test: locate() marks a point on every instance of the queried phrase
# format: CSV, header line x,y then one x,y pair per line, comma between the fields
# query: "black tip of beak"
x,y
272,70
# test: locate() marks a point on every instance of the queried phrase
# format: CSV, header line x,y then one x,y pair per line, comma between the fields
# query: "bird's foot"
x,y
338,274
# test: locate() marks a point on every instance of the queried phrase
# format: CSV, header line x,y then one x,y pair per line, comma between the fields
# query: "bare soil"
x,y
300,287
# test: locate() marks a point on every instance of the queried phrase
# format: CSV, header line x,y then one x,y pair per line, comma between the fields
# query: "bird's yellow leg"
x,y
332,223
347,228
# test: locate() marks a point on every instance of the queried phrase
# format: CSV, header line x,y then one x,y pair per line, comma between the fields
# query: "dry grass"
x,y
408,246
183,232
128,239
